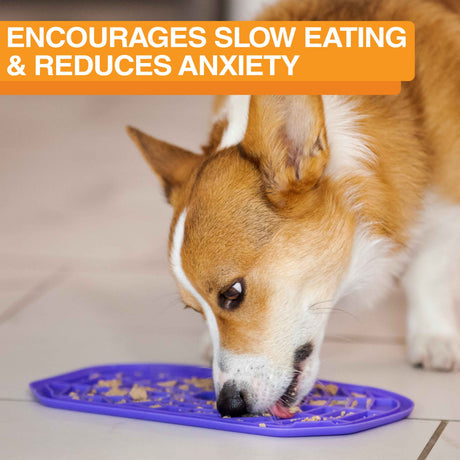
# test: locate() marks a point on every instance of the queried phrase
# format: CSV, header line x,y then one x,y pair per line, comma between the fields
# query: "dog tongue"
x,y
278,410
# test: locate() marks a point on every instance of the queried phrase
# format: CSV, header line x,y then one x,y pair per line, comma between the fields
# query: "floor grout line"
x,y
432,441
101,264
34,293
430,419
365,339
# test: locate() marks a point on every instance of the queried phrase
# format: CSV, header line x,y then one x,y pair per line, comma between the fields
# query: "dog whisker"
x,y
319,303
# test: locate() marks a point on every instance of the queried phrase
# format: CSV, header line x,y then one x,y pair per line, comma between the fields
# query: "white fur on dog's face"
x,y
257,209
291,263
291,270
293,320
295,314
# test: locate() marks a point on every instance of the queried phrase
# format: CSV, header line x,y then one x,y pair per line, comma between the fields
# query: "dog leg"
x,y
433,336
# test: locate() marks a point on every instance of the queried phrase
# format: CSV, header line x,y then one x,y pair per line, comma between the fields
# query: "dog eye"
x,y
231,297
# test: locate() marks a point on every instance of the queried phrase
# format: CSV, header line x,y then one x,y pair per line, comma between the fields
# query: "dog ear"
x,y
173,165
287,135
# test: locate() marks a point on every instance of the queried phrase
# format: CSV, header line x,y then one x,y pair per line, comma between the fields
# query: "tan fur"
x,y
249,204
291,162
429,103
230,222
226,207
170,163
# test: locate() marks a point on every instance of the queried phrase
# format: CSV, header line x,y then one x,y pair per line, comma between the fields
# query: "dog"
x,y
300,202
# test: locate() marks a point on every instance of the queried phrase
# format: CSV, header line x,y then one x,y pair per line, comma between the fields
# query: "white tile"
x,y
18,285
385,366
9,296
11,292
73,183
92,318
78,191
30,430
447,446
96,318
384,322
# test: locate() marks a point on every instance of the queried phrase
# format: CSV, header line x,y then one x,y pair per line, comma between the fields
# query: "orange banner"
x,y
106,57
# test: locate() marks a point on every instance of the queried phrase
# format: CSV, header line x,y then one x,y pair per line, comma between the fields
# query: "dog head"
x,y
259,243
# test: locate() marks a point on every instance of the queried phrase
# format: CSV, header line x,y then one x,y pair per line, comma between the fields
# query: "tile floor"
x,y
84,280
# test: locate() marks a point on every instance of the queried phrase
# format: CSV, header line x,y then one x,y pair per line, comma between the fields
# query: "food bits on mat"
x,y
185,395
138,393
313,418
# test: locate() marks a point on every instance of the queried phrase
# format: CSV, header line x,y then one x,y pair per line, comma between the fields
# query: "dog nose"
x,y
231,401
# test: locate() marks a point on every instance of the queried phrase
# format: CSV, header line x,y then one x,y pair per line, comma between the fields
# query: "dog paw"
x,y
435,352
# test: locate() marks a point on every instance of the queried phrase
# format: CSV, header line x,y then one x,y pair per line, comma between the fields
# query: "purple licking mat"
x,y
184,394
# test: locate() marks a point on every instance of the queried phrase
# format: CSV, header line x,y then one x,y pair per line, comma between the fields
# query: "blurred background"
x,y
131,10
84,278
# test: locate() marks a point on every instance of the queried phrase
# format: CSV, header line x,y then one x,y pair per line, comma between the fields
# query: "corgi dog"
x,y
298,203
